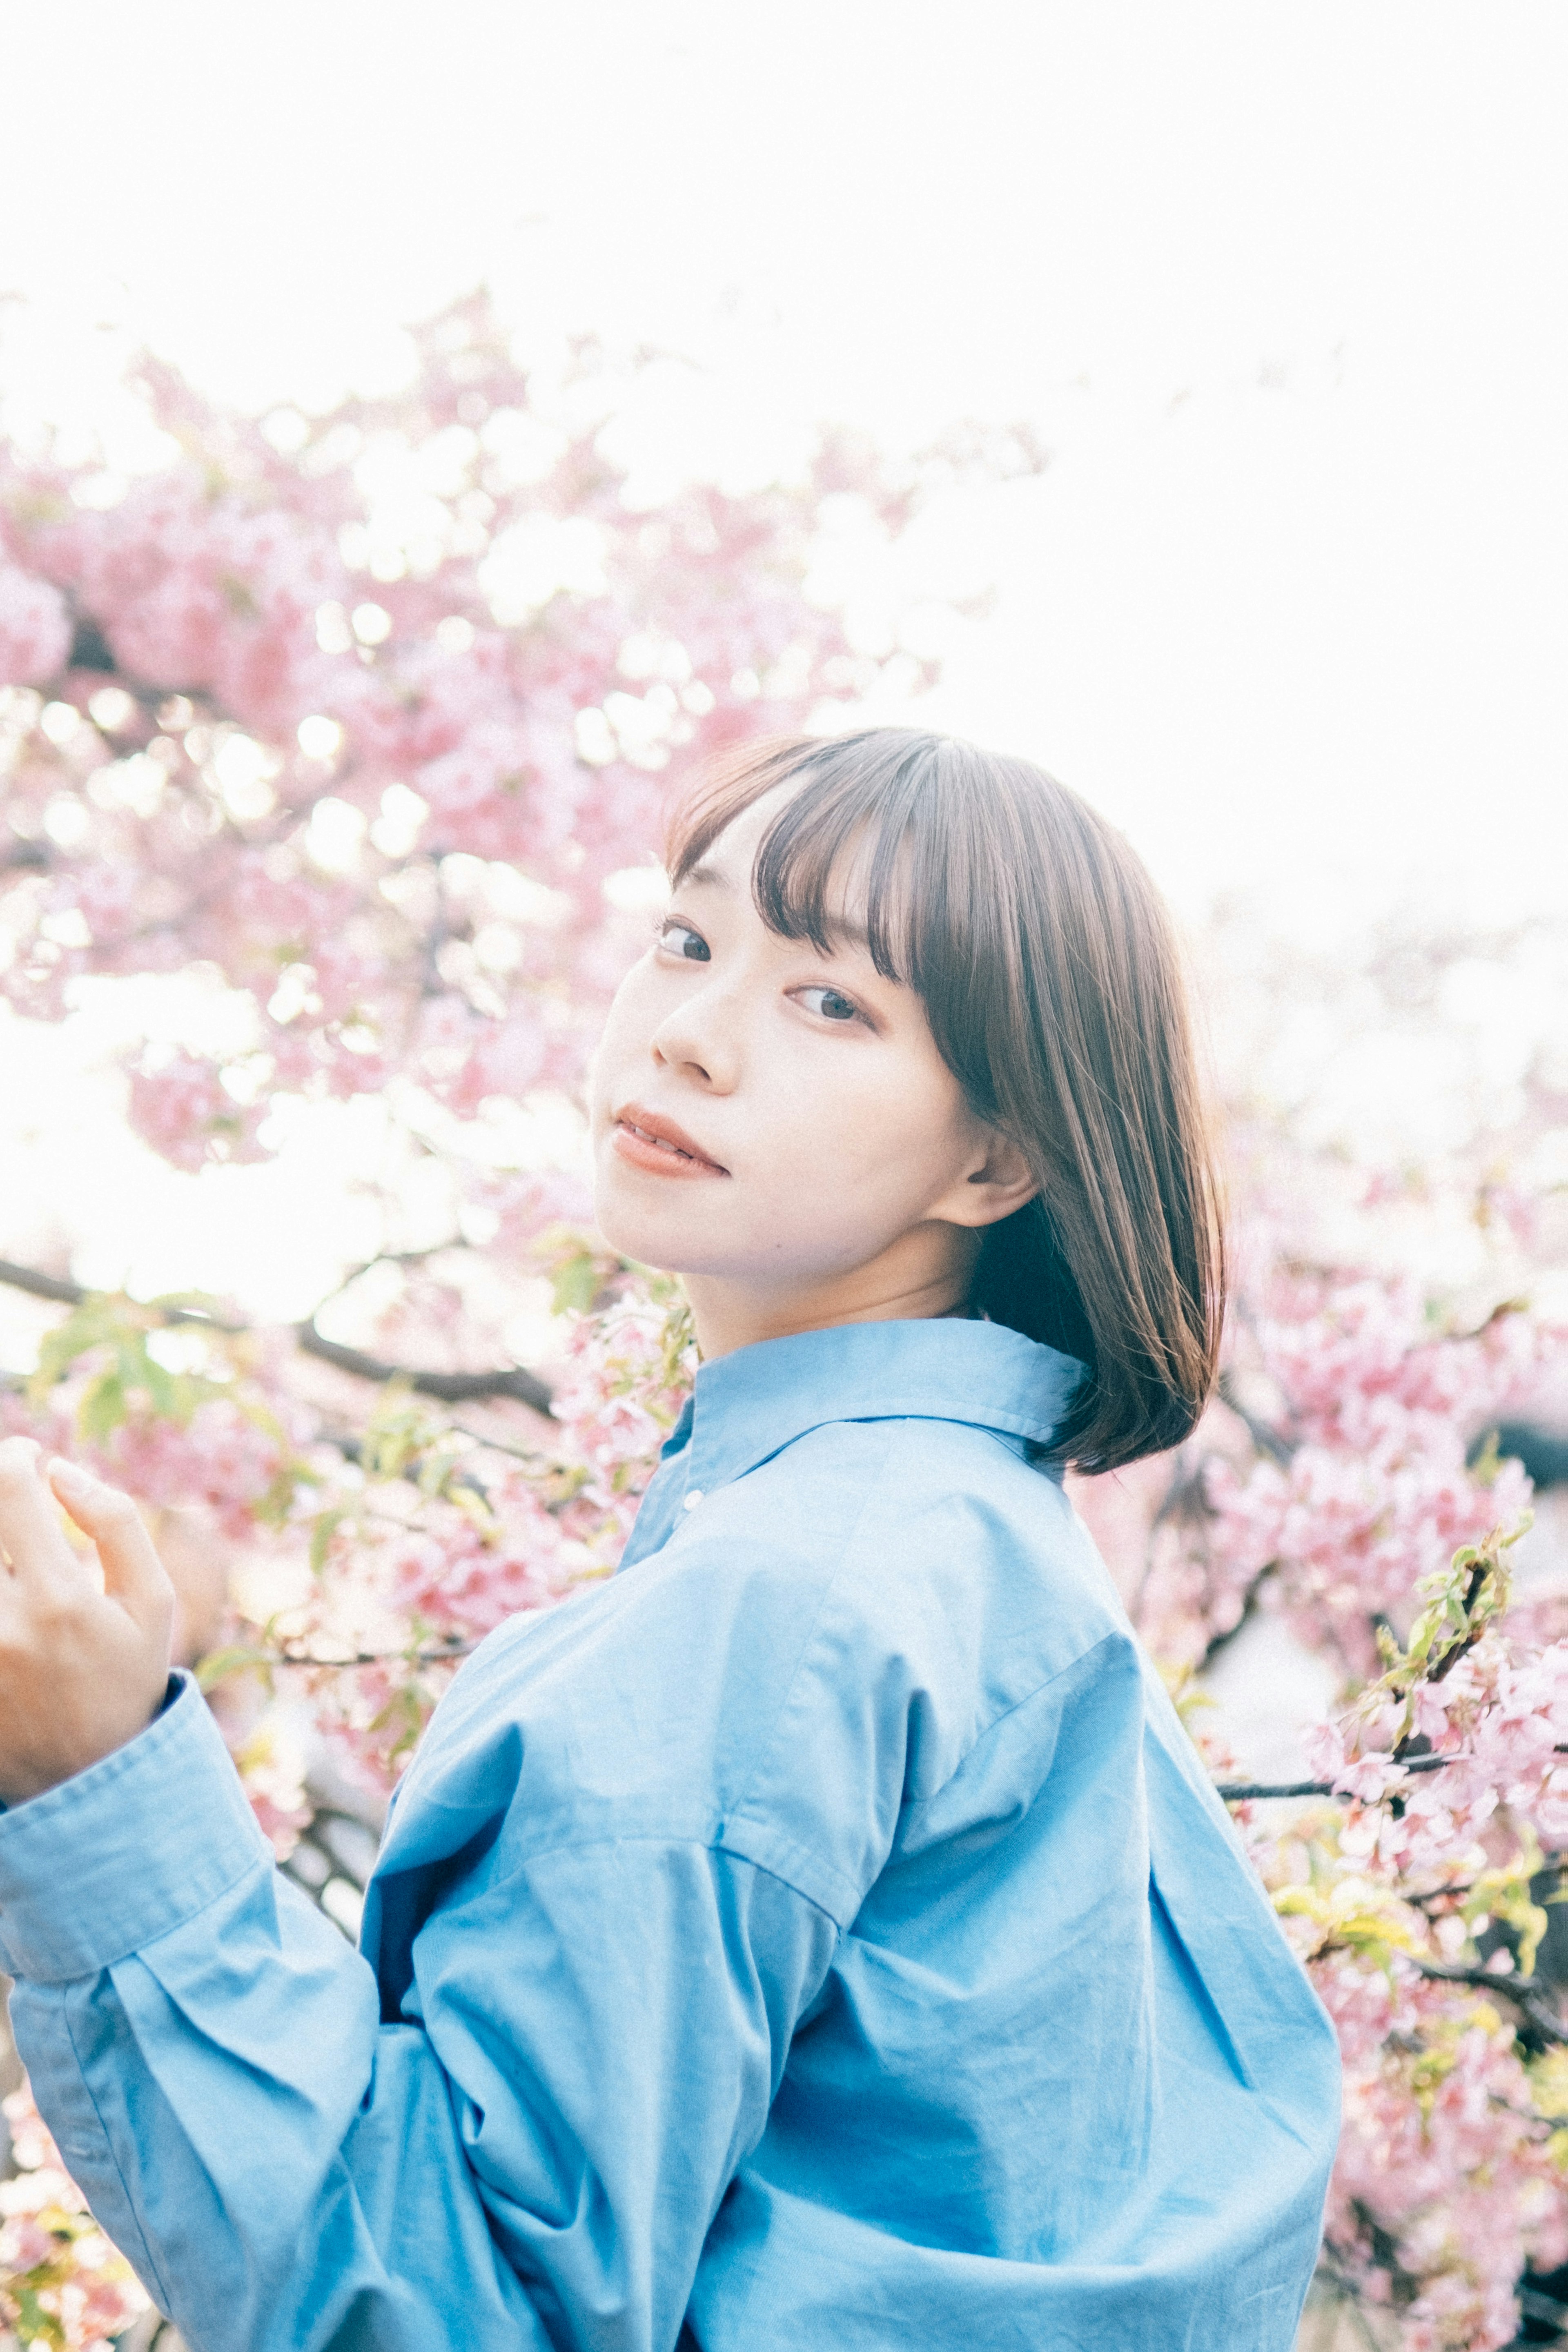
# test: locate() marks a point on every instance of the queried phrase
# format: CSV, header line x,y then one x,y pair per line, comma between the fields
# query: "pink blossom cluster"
x,y
180,1106
1435,2096
372,1717
456,1576
1153,1521
224,1458
1452,2169
276,1789
630,1370
208,585
51,2252
35,628
1378,1415
264,1742
413,1578
1501,1728
291,734
1358,1363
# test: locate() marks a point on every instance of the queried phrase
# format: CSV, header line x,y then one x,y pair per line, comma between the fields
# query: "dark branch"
x,y
389,1258
1543,2020
1249,1600
42,1286
90,648
73,1294
449,1388
1237,1793
1266,1440
292,1654
1474,1582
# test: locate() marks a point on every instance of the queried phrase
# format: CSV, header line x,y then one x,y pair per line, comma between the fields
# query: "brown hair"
x,y
1054,987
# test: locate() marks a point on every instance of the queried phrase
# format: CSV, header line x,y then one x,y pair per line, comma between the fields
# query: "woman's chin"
x,y
651,1241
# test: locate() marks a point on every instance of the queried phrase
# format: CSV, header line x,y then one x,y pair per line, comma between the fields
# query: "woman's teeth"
x,y
659,1142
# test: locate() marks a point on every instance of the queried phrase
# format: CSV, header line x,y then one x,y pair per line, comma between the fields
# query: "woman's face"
x,y
777,1125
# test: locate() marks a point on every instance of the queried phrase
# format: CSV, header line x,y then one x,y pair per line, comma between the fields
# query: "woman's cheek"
x,y
624,1040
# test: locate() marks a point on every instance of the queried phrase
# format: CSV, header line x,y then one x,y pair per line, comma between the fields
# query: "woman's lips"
x,y
656,1144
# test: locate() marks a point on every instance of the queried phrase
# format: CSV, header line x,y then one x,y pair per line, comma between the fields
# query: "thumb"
x,y
132,1572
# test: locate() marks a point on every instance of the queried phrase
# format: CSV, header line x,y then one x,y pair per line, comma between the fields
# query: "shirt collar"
x,y
747,1405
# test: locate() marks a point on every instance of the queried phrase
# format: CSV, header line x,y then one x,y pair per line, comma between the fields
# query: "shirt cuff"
x,y
107,1862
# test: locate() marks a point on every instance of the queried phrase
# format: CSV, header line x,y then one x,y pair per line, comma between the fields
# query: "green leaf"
x,y
103,1409
279,1500
98,1319
576,1281
679,1335
162,1388
237,1658
323,1528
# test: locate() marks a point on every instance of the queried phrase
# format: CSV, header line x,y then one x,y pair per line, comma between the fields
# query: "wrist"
x,y
31,1775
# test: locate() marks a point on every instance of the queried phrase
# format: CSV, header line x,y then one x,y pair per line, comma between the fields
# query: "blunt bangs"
x,y
1053,985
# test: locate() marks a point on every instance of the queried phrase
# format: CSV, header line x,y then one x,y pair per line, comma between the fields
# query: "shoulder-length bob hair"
x,y
1054,987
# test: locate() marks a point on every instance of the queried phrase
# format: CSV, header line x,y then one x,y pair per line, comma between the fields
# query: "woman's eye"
x,y
830,1003
682,940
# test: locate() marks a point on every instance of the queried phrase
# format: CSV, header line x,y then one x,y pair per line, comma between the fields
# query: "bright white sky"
x,y
1284,286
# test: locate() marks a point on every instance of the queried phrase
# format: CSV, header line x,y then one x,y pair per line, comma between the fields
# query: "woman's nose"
x,y
699,1040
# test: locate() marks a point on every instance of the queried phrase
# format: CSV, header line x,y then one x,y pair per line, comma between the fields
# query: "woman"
x,y
824,1935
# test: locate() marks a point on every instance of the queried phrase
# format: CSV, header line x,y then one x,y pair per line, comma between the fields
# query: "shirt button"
x,y
694,1498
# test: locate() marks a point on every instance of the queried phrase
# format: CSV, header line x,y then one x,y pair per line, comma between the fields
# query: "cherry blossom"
x,y
61,2282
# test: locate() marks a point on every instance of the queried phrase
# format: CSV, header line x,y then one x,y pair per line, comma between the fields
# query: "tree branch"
x,y
1524,1995
1267,1439
293,1655
1236,1792
72,1294
41,1285
449,1388
1446,1663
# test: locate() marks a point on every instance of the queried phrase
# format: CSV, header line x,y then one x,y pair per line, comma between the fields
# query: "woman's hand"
x,y
83,1668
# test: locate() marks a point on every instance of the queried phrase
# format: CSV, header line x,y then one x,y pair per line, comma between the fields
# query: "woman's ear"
x,y
1002,1183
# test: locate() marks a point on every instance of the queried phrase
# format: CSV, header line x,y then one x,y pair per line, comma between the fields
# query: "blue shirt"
x,y
821,1937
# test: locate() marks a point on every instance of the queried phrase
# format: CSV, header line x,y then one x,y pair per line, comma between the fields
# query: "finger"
x,y
29,1525
132,1572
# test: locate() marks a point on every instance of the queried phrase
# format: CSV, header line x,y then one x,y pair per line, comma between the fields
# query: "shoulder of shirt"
x,y
911,1505
937,1540
930,1544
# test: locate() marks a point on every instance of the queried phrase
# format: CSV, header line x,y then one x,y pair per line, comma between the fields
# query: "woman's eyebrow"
x,y
842,930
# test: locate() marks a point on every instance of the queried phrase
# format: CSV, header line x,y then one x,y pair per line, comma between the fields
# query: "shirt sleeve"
x,y
529,2154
